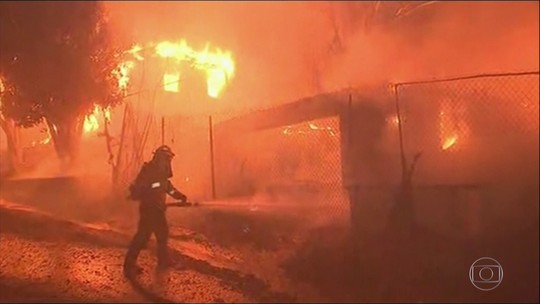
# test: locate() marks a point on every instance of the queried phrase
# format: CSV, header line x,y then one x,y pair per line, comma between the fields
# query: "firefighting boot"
x,y
132,270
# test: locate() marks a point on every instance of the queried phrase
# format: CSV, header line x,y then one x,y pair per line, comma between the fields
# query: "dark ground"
x,y
241,255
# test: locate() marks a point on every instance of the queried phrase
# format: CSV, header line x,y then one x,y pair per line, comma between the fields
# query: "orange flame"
x,y
47,139
135,51
44,141
311,127
171,82
218,65
453,127
449,142
91,121
122,74
124,68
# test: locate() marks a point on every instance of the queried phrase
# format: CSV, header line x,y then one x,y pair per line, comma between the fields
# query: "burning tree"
x,y
57,62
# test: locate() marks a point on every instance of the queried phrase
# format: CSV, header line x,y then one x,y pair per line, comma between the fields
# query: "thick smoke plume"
x,y
290,50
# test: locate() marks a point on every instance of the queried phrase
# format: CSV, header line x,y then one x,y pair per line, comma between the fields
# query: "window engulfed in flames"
x,y
171,82
218,65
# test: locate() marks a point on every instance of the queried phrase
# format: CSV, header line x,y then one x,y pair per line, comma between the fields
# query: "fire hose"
x,y
182,204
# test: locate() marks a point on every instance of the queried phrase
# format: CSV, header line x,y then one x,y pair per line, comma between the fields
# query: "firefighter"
x,y
150,188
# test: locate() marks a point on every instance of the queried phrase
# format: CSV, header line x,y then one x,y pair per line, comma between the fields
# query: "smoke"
x,y
271,42
285,51
289,50
442,39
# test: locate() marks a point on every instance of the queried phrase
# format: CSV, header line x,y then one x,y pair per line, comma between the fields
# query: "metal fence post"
x,y
400,134
212,171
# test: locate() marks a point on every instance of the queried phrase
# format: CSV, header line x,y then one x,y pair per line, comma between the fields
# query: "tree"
x,y
57,60
12,136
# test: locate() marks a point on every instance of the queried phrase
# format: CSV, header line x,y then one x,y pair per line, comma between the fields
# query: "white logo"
x,y
486,274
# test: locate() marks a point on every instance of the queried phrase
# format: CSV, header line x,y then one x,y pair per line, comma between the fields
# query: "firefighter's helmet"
x,y
164,151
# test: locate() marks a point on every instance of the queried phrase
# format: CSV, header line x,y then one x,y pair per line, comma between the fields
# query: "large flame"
x,y
124,68
91,121
218,65
171,82
122,74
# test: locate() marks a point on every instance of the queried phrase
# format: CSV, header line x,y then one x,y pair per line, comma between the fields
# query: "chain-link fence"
x,y
476,135
459,124
297,165
472,133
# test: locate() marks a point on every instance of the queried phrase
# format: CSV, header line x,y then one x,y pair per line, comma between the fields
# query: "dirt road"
x,y
241,255
48,258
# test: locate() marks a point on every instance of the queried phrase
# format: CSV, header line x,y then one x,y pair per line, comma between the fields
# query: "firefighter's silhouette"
x,y
150,188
